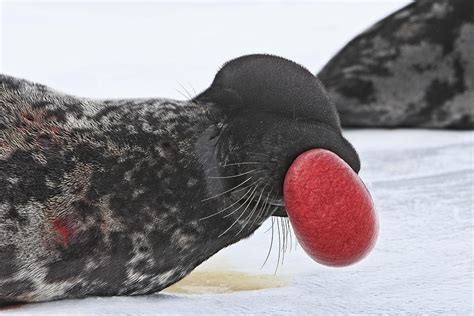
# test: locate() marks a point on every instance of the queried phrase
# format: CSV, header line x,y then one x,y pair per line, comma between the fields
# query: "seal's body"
x,y
125,197
414,68
99,198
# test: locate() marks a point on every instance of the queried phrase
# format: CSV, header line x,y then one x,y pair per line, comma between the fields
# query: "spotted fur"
x,y
125,197
90,203
414,68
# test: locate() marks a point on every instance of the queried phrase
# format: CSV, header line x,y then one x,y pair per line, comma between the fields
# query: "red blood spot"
x,y
63,229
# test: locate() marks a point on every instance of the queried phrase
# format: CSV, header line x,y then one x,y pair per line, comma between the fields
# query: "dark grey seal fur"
x,y
415,68
126,197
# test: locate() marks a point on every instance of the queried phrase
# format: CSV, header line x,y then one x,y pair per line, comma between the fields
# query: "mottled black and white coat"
x,y
414,68
125,197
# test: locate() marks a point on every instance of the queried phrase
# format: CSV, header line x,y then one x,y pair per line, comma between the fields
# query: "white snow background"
x,y
422,181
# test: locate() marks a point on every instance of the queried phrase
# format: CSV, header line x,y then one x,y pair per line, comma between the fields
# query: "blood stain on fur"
x,y
63,229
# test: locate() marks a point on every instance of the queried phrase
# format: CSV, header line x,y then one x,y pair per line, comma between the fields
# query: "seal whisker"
x,y
290,234
279,247
235,164
232,164
284,237
288,244
262,210
227,207
243,212
184,96
256,153
190,97
248,198
227,191
194,90
271,245
242,163
249,185
268,229
235,175
247,220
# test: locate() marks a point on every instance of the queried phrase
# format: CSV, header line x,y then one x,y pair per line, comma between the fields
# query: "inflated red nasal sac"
x,y
330,209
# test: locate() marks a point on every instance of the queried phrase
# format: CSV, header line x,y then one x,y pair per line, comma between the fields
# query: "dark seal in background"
x,y
415,68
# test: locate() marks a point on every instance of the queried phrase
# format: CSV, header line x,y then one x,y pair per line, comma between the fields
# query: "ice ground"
x,y
422,183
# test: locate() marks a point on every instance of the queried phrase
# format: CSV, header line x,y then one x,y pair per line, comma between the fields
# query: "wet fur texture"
x,y
414,68
125,197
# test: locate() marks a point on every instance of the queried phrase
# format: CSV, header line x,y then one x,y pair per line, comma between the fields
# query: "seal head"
x,y
273,110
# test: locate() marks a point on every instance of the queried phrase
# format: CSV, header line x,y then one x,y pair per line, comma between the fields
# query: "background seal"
x,y
415,68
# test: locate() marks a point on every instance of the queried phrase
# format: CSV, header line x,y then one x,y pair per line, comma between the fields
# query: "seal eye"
x,y
216,130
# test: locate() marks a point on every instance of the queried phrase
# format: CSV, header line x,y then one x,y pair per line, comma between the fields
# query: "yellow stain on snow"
x,y
222,279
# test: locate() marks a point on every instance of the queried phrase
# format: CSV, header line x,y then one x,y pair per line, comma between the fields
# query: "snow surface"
x,y
422,181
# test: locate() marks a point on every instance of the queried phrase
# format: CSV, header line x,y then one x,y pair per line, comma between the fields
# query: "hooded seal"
x,y
126,197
